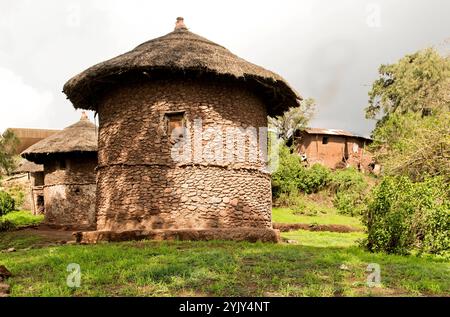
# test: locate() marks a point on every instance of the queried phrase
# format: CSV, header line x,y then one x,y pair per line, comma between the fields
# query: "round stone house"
x,y
181,131
69,158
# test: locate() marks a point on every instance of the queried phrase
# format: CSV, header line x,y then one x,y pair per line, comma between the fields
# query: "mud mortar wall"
x,y
140,186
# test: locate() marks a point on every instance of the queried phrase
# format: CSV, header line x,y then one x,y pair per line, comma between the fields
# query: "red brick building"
x,y
333,148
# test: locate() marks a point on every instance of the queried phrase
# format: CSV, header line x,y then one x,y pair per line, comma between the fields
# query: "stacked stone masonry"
x,y
70,192
142,187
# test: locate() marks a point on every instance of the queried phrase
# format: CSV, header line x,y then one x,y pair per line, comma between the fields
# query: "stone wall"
x,y
69,193
141,186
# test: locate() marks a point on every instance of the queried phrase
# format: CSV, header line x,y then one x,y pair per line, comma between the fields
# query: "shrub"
x,y
350,189
6,225
403,215
292,176
315,178
287,178
7,203
17,192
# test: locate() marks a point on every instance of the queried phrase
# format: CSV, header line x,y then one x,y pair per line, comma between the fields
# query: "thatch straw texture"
x,y
184,53
26,166
79,137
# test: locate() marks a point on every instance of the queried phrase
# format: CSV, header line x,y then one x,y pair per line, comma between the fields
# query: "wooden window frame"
x,y
168,116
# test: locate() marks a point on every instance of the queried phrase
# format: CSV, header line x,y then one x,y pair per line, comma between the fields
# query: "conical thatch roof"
x,y
185,53
26,166
79,137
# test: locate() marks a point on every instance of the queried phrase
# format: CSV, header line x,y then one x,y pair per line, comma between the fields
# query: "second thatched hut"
x,y
69,158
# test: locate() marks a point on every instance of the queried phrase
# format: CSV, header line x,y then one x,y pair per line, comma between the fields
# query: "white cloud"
x,y
22,105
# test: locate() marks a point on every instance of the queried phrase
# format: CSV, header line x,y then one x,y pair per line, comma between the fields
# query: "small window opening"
x,y
175,125
38,179
40,204
325,140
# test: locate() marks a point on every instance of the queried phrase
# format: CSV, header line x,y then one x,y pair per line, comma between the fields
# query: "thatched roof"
x,y
26,166
79,137
183,53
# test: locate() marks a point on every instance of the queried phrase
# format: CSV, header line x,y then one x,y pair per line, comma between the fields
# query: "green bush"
x,y
6,225
288,176
315,179
350,189
292,176
17,192
298,203
403,215
7,203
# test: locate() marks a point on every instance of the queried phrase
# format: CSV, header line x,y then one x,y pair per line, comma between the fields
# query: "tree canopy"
x,y
411,101
416,83
8,144
294,119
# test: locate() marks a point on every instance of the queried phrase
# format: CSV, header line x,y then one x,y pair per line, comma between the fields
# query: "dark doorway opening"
x,y
40,204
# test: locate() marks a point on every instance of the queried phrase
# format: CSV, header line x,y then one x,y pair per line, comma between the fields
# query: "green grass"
x,y
23,218
217,268
324,239
287,215
20,240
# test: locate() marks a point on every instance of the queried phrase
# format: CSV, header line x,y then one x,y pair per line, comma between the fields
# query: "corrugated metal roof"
x,y
333,132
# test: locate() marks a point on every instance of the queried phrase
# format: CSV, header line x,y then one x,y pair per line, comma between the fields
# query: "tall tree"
x,y
8,144
416,83
293,119
411,102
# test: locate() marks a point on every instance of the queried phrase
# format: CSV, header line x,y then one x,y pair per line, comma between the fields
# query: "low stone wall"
x,y
239,234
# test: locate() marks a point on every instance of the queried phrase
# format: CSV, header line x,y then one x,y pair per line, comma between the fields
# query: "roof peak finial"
x,y
179,25
84,116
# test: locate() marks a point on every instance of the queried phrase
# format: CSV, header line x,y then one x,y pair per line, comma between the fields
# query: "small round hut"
x,y
181,91
69,158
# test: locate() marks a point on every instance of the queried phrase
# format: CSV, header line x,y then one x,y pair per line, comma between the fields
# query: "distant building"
x,y
333,148
28,137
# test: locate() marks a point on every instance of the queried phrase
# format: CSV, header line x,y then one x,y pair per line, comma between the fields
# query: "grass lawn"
x,y
217,268
287,215
23,218
324,239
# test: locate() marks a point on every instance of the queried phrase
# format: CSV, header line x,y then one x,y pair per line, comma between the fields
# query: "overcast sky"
x,y
329,50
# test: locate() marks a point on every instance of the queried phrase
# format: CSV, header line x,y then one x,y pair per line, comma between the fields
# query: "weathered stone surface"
x,y
141,187
70,193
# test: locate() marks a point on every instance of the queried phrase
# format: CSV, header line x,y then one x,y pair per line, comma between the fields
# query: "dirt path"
x,y
50,234
34,237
